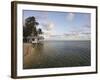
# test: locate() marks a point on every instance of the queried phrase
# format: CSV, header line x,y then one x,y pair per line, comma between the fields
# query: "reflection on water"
x,y
56,54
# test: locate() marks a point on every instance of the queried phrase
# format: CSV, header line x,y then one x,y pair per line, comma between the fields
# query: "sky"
x,y
62,25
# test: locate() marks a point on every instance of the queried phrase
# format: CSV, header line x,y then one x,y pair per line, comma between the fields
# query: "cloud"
x,y
48,29
87,26
68,36
85,33
78,36
70,16
72,35
48,26
80,29
82,33
47,34
43,17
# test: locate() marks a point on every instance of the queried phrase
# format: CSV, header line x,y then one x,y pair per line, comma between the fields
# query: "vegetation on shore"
x,y
30,30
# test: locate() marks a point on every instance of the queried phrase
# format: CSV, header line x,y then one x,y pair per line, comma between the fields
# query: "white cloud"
x,y
78,35
46,34
75,33
70,16
87,26
48,26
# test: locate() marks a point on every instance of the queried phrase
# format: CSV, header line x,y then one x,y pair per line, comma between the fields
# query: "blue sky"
x,y
62,25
